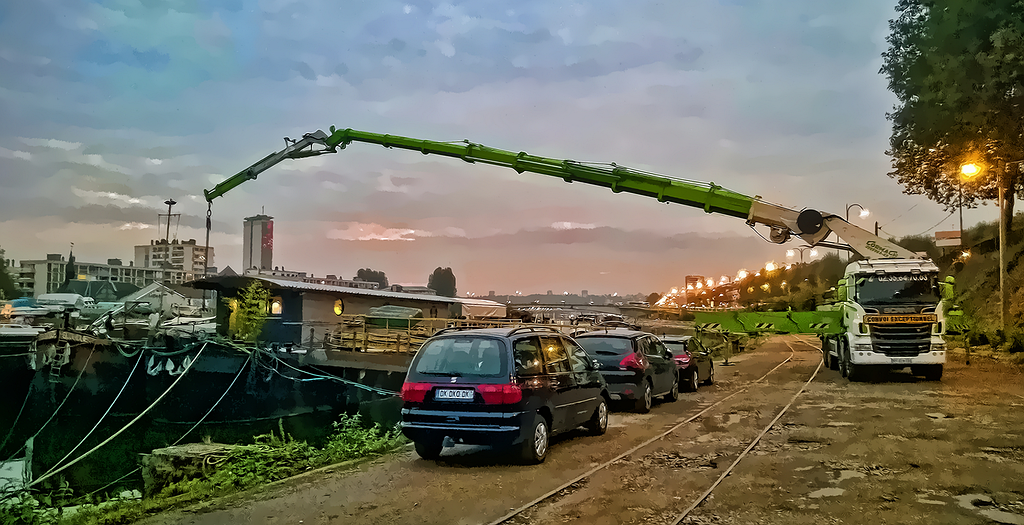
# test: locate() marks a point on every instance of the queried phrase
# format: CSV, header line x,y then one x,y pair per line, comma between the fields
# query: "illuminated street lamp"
x,y
863,211
802,249
970,170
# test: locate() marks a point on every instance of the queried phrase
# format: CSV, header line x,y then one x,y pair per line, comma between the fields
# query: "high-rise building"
x,y
184,255
258,242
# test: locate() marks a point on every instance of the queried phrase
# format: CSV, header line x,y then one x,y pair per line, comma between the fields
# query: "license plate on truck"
x,y
901,360
454,394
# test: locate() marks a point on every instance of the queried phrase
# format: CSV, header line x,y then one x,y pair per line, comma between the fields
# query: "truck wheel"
x,y
933,372
844,364
643,403
429,449
534,448
833,362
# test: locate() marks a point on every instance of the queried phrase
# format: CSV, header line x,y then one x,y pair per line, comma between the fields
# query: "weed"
x,y
272,457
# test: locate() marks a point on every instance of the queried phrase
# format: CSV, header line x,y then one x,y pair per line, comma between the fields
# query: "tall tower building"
x,y
258,242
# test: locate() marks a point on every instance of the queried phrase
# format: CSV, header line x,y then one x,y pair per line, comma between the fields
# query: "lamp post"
x,y
863,211
1004,305
968,171
802,249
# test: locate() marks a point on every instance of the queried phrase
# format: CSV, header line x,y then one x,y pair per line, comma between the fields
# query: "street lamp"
x,y
863,211
802,249
968,171
971,169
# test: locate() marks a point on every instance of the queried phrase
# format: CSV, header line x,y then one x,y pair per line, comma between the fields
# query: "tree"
x,y
7,288
251,309
653,298
373,276
957,68
442,281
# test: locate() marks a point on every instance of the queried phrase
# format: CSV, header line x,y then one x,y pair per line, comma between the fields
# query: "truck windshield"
x,y
894,288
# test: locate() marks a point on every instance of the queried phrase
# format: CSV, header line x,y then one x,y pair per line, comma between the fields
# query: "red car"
x,y
692,358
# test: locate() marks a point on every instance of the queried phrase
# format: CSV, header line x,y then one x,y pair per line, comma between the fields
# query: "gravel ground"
x,y
902,450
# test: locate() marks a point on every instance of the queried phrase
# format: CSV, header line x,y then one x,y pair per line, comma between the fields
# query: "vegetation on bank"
x,y
272,457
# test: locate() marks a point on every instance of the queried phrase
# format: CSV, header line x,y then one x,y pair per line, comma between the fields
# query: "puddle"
x,y
801,469
848,474
839,424
826,492
1003,517
973,501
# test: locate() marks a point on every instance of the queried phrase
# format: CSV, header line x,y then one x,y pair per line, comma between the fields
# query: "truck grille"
x,y
904,340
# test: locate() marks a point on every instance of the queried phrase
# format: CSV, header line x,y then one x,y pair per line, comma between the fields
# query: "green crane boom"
x,y
810,225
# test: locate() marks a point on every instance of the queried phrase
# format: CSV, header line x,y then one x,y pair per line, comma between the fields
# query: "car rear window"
x,y
675,346
605,345
462,356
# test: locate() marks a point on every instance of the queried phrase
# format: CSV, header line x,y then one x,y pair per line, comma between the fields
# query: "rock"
x,y
936,415
165,466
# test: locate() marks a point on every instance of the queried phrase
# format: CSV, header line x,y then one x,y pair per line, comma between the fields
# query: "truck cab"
x,y
893,318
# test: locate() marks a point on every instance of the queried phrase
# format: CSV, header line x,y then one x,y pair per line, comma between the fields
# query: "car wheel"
x,y
535,446
429,449
711,376
673,394
691,381
598,423
646,399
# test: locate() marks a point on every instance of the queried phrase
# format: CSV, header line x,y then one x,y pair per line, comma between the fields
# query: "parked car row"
x,y
516,387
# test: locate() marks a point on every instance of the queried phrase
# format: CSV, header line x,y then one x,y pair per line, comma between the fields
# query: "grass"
x,y
270,458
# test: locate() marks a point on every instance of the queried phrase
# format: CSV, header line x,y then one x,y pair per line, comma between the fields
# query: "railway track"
x,y
653,466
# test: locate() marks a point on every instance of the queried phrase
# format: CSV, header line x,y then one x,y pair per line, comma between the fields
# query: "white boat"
x,y
18,334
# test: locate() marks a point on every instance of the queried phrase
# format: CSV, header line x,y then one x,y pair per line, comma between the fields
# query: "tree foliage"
x,y
373,276
442,281
7,288
956,68
251,309
653,297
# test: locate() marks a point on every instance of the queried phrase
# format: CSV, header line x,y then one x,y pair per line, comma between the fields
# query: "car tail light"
x,y
682,360
415,392
500,394
633,361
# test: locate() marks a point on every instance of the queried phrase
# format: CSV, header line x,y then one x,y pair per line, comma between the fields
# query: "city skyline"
x,y
110,110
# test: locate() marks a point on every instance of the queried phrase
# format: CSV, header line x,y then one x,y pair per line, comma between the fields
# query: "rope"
x,y
208,412
325,375
130,423
189,431
118,396
70,390
23,403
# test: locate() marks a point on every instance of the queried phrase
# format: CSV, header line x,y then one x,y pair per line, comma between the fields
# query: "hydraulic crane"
x,y
810,225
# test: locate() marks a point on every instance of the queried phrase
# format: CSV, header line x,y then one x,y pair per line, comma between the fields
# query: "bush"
x,y
1015,343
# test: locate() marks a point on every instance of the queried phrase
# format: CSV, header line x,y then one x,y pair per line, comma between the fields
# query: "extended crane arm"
x,y
810,225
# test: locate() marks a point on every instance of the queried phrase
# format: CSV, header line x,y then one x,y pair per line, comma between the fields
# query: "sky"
x,y
107,109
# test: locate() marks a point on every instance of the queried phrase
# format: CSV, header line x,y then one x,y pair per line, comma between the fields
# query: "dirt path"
x,y
902,451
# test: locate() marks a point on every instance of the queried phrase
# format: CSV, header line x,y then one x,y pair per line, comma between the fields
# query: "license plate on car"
x,y
454,394
901,360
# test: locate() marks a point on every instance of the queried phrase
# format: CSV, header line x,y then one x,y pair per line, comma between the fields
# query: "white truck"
x,y
893,315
